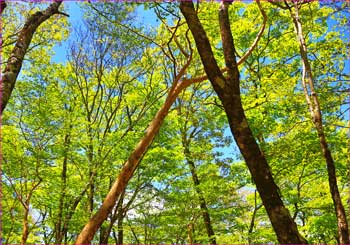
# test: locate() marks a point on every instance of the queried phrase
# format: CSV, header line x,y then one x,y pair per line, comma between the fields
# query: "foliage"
x,y
70,126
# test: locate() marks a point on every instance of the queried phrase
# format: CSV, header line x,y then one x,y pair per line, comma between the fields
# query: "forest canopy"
x,y
200,123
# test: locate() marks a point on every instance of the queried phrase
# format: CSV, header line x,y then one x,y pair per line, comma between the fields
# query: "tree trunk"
x,y
228,91
316,116
25,231
117,215
120,224
190,233
2,6
59,235
14,63
202,202
129,167
252,221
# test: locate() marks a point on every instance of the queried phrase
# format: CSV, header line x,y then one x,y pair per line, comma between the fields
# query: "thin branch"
x,y
254,44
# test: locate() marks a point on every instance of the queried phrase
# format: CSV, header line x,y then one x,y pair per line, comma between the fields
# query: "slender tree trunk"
x,y
228,91
252,222
26,205
25,231
202,202
129,167
316,116
190,233
120,224
14,63
91,193
90,155
59,231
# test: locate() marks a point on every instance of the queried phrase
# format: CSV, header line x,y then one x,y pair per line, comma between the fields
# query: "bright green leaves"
x,y
115,80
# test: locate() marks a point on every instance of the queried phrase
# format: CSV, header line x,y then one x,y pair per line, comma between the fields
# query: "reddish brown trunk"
x,y
228,91
316,116
88,232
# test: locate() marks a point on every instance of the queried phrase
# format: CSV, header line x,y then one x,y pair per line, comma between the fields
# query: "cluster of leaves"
x,y
70,126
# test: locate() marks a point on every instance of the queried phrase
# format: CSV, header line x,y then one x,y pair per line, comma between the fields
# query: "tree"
x,y
69,126
312,99
15,60
228,90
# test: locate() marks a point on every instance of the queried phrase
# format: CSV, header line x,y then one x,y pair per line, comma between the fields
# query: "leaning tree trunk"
x,y
228,90
316,116
129,167
14,63
132,163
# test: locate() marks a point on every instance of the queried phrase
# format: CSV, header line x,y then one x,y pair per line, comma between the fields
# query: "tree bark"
x,y
190,233
228,91
120,223
202,202
59,232
129,167
2,6
25,231
131,164
252,221
316,116
14,63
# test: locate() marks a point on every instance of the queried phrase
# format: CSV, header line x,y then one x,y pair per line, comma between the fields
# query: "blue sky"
x,y
148,18
75,19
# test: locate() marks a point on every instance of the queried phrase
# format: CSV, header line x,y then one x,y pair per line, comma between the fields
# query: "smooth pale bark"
x,y
14,63
316,116
190,233
228,90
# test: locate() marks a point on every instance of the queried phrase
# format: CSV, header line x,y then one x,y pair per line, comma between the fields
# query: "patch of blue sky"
x,y
144,17
73,9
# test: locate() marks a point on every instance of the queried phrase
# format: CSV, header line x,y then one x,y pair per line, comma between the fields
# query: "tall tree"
x,y
189,131
15,60
228,90
312,100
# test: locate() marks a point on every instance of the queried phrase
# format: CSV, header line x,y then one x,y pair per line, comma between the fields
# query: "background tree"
x,y
68,130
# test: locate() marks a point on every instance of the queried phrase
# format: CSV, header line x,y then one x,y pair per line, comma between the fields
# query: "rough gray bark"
x,y
14,63
228,90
